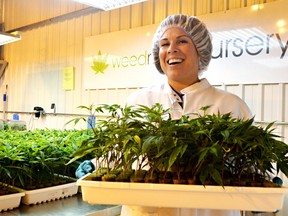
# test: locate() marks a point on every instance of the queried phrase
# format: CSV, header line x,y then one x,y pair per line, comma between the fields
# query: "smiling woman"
x,y
182,50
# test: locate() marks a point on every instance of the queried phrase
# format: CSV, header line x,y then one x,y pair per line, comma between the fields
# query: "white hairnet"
x,y
195,29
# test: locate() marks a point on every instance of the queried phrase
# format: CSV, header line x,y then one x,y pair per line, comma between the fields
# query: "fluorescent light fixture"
x,y
6,38
109,4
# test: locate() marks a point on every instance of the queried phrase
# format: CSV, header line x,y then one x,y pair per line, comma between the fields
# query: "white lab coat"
x,y
195,96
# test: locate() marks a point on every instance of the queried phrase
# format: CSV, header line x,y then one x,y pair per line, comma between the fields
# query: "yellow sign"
x,y
68,78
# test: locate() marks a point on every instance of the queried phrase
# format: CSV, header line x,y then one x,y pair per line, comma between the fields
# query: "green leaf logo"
x,y
99,63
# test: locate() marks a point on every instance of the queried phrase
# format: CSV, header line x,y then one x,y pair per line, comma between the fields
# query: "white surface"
x,y
49,193
113,211
11,201
182,196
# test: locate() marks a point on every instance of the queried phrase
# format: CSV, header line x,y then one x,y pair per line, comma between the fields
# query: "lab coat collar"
x,y
174,97
201,85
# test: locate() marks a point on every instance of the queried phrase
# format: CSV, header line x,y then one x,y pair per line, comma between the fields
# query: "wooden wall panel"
x,y
1,11
96,23
173,7
114,20
31,11
233,4
148,12
60,97
136,13
77,63
104,22
55,8
87,26
69,100
125,17
202,7
218,6
188,7
160,8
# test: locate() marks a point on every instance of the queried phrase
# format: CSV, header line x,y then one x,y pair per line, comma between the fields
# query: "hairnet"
x,y
195,29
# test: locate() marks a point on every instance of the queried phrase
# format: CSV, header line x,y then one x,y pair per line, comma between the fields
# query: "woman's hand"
x,y
85,167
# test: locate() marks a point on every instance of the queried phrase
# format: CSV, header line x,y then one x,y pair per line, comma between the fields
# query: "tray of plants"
x,y
214,161
50,193
182,196
39,160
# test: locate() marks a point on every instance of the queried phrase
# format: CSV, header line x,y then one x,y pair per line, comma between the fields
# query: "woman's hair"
x,y
195,29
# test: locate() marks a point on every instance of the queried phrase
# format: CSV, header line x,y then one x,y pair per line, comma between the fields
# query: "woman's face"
x,y
178,58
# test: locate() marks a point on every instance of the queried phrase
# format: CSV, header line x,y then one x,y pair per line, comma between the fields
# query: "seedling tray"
x,y
182,196
10,201
49,193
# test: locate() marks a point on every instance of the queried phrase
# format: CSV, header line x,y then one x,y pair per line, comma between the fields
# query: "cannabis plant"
x,y
209,148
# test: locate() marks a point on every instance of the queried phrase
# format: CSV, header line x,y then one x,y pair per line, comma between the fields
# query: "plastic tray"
x,y
182,196
11,201
50,193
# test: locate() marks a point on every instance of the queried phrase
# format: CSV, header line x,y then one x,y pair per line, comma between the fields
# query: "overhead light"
x,y
109,4
6,38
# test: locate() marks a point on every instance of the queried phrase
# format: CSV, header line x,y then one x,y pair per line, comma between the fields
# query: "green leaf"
x,y
137,139
175,153
216,176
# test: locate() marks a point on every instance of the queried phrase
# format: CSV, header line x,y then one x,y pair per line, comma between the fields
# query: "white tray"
x,y
11,201
182,196
49,193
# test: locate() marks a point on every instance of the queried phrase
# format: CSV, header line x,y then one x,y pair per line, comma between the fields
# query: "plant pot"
x,y
179,181
179,178
137,179
165,178
109,177
151,177
124,176
192,181
138,176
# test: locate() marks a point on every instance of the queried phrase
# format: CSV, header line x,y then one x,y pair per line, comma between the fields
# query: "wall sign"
x,y
249,46
68,78
120,59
